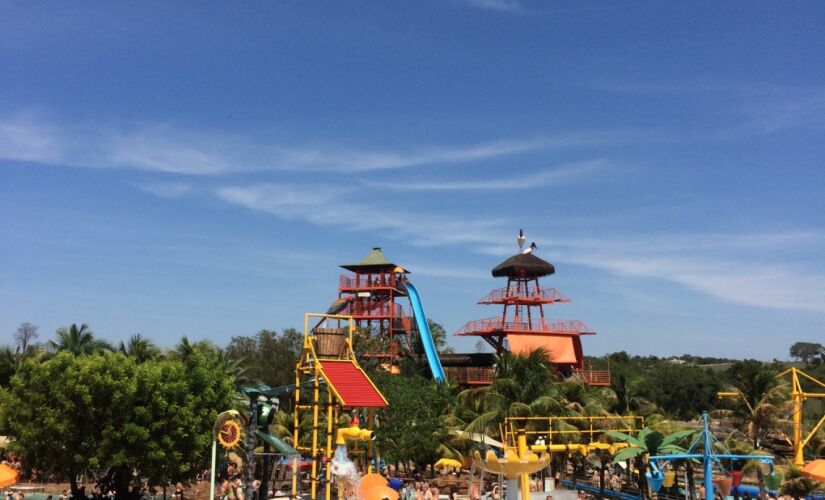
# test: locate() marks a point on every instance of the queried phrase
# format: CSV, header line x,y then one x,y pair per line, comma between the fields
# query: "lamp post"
x,y
219,421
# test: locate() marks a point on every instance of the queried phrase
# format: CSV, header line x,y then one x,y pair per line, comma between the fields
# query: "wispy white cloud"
x,y
740,269
496,5
166,189
329,206
767,115
752,283
543,178
28,137
763,108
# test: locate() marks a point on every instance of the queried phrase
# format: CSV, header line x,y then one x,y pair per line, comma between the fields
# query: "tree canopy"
x,y
808,352
107,412
269,357
412,427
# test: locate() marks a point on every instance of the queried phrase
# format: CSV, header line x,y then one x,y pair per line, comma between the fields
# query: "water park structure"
x,y
327,358
705,447
522,327
374,296
798,396
335,395
529,442
371,297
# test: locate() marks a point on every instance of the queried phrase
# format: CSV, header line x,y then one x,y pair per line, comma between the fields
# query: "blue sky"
x,y
202,168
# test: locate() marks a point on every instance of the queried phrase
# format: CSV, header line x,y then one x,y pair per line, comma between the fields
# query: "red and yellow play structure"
x,y
327,360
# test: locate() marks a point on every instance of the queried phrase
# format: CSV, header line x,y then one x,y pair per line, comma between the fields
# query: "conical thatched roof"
x,y
524,265
374,261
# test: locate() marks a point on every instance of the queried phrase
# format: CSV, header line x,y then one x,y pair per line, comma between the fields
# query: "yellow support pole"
x,y
314,488
296,427
524,479
330,412
370,425
798,398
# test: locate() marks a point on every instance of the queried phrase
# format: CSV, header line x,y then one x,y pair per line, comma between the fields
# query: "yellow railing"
x,y
555,429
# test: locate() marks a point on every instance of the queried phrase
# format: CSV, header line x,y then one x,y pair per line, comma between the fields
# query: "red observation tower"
x,y
370,296
522,326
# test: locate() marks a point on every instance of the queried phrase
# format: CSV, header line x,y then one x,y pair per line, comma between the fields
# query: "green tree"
x,y
78,341
139,348
268,357
682,391
228,364
759,406
106,412
808,352
523,385
9,361
439,337
413,426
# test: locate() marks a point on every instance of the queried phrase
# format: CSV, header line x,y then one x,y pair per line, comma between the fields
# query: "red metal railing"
x,y
535,325
594,377
534,295
373,309
469,375
365,281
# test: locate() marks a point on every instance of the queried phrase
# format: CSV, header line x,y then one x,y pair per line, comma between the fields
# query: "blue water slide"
x,y
425,334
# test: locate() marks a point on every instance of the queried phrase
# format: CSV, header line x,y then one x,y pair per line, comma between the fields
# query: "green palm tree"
x,y
78,341
523,385
185,348
761,403
140,348
629,390
232,366
647,443
587,400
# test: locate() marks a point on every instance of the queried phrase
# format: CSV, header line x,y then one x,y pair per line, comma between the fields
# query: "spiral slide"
x,y
426,335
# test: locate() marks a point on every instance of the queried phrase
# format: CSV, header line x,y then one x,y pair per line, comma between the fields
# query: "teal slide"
x,y
425,334
279,444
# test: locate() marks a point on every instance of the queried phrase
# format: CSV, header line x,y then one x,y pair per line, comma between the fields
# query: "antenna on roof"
x,y
521,239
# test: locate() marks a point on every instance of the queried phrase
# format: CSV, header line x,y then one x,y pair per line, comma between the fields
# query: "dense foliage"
x,y
134,413
268,357
129,416
413,426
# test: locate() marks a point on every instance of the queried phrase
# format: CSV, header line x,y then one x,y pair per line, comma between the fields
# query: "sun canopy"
x,y
8,475
815,470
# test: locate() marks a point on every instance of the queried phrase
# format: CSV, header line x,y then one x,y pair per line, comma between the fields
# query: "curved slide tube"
x,y
279,444
426,335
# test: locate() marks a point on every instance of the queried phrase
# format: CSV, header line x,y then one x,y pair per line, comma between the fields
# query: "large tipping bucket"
x,y
329,342
655,480
722,485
